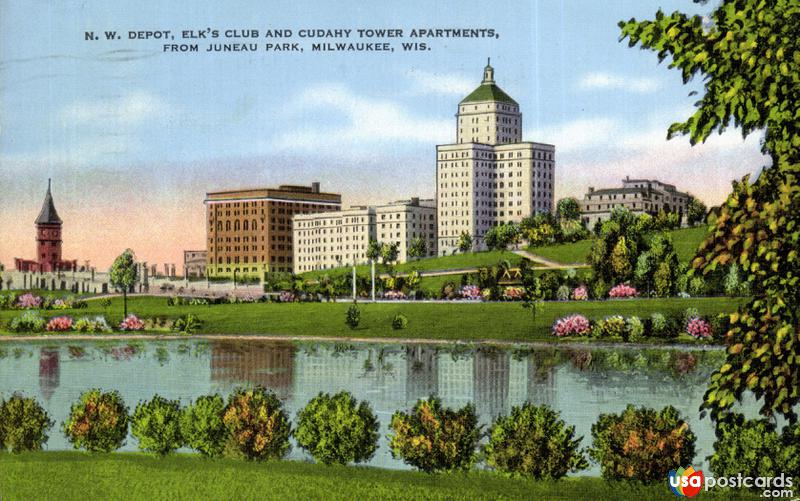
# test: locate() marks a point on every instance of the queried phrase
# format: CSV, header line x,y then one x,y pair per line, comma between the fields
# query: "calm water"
x,y
580,383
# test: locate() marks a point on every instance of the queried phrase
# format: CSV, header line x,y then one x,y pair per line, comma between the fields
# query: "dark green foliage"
x,y
337,429
23,424
464,242
399,322
187,324
353,317
202,427
418,248
641,444
501,236
156,425
747,57
751,447
434,438
256,424
534,442
696,212
98,422
568,208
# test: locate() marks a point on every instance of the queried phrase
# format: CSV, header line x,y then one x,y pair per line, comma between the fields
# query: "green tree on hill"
x,y
568,208
464,242
696,212
748,55
123,275
418,248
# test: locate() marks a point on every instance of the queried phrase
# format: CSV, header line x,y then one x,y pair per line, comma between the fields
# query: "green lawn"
x,y
457,261
686,241
443,321
80,476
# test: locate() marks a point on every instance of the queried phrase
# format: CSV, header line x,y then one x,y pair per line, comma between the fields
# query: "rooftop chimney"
x,y
315,187
591,189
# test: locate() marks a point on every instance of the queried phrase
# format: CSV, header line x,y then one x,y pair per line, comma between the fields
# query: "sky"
x,y
133,137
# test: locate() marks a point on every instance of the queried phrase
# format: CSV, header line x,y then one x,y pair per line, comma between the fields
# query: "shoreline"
x,y
365,340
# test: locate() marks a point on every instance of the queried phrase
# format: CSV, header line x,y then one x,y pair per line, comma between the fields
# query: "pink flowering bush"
x,y
28,300
59,324
580,293
131,323
572,325
471,292
698,328
622,291
286,297
513,294
394,295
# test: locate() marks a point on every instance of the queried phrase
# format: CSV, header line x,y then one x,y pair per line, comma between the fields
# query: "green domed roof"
x,y
488,90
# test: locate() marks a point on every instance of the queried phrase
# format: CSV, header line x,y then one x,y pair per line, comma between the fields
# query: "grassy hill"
x,y
454,262
686,241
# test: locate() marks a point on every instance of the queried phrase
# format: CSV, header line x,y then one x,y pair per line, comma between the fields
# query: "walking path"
x,y
547,263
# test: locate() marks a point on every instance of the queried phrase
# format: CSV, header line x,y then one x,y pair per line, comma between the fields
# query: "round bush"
x,y
641,444
337,429
399,322
23,424
28,321
534,442
634,329
202,427
434,438
613,326
751,447
258,427
97,422
156,425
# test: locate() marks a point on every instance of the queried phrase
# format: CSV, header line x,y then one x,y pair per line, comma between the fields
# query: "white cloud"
x,y
454,84
576,134
129,109
367,121
610,81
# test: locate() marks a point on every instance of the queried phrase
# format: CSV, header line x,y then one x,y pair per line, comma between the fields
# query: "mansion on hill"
x,y
640,196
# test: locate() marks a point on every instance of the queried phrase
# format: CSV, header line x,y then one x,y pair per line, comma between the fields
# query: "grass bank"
x,y
440,321
80,476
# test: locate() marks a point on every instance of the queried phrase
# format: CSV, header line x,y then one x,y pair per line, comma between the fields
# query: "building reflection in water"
x,y
491,372
422,373
49,372
267,364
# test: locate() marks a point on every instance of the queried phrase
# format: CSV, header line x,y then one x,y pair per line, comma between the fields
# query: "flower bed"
x,y
622,291
471,292
394,295
573,325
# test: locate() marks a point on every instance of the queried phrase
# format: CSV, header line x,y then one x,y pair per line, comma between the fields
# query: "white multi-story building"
x,y
341,238
489,176
640,196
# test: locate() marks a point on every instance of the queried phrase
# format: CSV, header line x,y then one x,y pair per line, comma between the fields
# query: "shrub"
x,y
434,438
698,328
622,291
29,300
97,324
23,424
599,289
534,442
751,447
286,297
613,326
353,317
337,429
59,324
394,295
563,293
572,325
131,323
97,422
661,326
399,321
257,426
156,425
28,321
187,324
641,444
471,292
202,427
580,293
513,293
697,286
634,327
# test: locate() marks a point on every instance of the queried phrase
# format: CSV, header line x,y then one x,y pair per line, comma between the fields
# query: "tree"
x,y
621,260
464,242
389,252
696,212
374,250
123,275
568,209
418,248
501,236
747,55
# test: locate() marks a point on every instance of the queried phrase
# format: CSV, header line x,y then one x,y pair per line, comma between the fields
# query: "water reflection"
x,y
578,382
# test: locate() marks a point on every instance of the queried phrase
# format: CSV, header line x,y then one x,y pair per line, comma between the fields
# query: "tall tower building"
x,y
48,235
489,176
